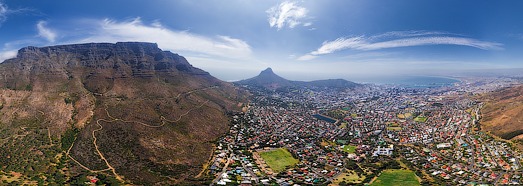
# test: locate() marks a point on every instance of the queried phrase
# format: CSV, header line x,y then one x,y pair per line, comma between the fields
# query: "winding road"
x,y
118,177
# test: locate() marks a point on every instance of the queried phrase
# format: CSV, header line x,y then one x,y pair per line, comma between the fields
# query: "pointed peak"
x,y
268,70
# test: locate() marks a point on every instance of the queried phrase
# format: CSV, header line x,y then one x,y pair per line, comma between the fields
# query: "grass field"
x,y
349,148
393,128
278,159
350,177
403,116
396,177
421,119
9,177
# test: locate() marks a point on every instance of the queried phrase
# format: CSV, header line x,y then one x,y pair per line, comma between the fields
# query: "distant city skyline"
x,y
300,40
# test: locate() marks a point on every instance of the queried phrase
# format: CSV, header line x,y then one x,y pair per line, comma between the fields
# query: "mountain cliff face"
x,y
268,79
127,110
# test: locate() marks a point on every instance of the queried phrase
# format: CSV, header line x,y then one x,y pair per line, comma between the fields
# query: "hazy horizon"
x,y
377,79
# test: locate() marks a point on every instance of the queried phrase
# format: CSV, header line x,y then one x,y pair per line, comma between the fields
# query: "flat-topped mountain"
x,y
268,79
127,110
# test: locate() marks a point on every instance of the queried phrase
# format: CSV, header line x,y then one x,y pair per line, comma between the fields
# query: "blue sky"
x,y
300,40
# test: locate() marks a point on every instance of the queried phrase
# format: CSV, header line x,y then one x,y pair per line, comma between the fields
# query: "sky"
x,y
300,40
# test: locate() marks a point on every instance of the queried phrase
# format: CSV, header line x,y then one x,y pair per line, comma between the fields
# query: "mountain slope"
x,y
268,79
131,110
503,113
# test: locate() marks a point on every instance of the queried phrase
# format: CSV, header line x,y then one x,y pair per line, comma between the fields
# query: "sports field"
x,y
403,116
421,119
349,148
278,159
396,177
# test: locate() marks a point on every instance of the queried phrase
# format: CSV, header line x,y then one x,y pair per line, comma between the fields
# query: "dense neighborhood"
x,y
351,136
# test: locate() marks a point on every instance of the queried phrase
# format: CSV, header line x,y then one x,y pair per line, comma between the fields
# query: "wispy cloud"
x,y
307,57
516,36
7,54
3,12
45,32
399,39
108,30
288,14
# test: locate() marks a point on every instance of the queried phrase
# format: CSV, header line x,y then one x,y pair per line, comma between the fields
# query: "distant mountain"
x,y
268,79
128,111
503,113
333,83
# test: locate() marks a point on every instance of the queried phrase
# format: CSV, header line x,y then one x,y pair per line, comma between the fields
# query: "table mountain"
x,y
127,110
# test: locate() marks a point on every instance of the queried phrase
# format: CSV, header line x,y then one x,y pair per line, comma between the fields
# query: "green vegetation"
x,y
349,148
278,159
68,138
392,124
28,155
421,119
336,114
396,177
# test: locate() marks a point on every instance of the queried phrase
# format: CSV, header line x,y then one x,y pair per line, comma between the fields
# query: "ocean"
x,y
417,81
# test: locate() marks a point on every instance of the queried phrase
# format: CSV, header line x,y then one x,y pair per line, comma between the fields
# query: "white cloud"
x,y
3,12
399,39
7,55
45,32
287,14
176,41
307,57
411,33
338,44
